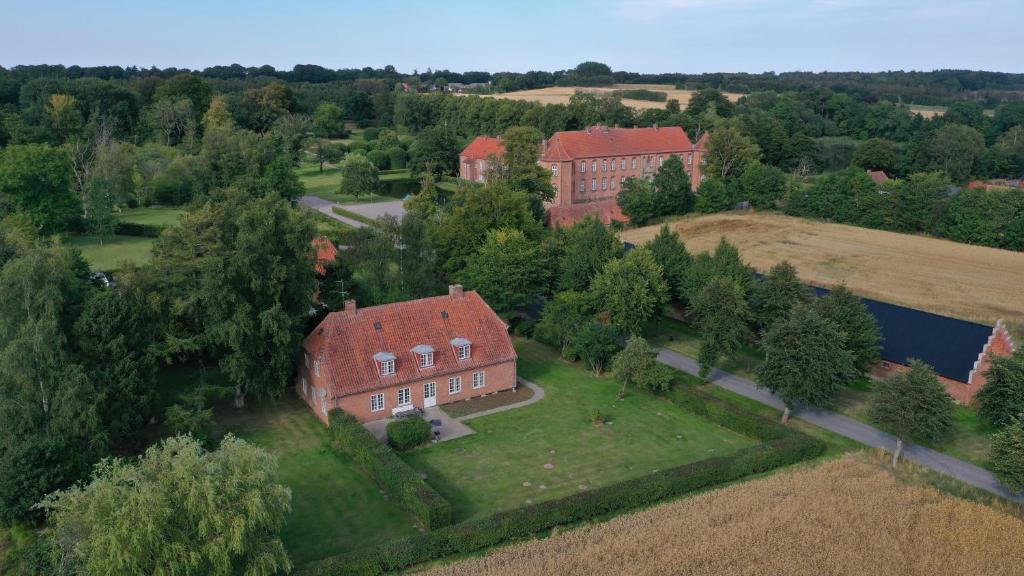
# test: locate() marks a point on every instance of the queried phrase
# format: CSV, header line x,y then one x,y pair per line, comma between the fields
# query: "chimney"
x,y
455,290
616,125
350,306
589,128
655,125
605,128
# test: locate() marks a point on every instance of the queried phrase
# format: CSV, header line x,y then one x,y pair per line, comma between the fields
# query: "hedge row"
x,y
782,446
389,471
132,229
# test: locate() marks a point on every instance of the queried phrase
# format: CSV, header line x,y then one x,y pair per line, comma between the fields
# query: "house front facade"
x,y
589,167
381,361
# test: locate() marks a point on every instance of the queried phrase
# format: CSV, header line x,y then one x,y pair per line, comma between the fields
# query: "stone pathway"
x,y
452,428
324,207
848,427
370,209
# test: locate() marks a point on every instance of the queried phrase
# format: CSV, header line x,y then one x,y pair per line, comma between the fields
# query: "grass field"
x,y
327,184
959,280
561,94
849,516
113,251
505,464
151,216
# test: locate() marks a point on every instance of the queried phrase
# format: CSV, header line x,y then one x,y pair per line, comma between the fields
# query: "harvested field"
x,y
561,94
846,517
949,278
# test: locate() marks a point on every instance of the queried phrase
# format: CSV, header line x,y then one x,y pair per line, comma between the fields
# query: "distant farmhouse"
x,y
382,361
998,183
588,167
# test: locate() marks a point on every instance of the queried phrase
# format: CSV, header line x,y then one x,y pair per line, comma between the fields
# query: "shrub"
x,y
371,134
408,433
385,468
133,229
397,157
378,158
783,446
1007,454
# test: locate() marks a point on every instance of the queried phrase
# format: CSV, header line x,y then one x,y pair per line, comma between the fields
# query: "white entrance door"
x,y
430,394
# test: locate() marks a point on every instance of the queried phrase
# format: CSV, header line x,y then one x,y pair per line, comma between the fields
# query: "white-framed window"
x,y
483,165
404,396
593,166
612,183
479,380
622,180
455,385
387,367
614,163
604,165
323,406
316,367
377,402
464,352
634,163
604,183
426,359
554,169
661,160
583,185
583,165
305,386
622,164
593,184
689,158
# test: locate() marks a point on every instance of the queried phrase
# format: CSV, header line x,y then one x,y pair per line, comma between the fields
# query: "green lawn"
x,y
685,339
335,507
327,184
502,466
151,216
113,251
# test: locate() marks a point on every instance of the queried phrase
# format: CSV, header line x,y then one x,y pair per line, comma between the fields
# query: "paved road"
x,y
848,427
324,206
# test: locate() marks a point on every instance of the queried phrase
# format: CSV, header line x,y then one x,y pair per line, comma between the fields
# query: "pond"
x,y
399,188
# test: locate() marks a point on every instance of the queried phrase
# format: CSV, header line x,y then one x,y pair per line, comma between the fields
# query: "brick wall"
x,y
498,377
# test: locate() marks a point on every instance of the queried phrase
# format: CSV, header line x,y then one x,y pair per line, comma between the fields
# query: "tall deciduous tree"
x,y
636,199
561,318
637,365
631,290
714,195
595,343
729,151
1007,453
762,185
672,190
955,149
1002,397
359,176
507,271
179,510
329,120
913,405
859,329
37,179
805,362
522,148
588,245
676,262
722,313
773,297
877,154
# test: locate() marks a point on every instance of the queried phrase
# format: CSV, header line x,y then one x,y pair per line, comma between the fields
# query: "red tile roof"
x,y
483,147
345,342
569,214
878,176
326,252
598,141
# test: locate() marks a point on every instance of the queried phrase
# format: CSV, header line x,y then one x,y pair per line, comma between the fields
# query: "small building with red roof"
x,y
879,176
380,361
477,157
326,252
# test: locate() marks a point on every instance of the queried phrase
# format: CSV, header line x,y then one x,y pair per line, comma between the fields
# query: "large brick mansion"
x,y
588,167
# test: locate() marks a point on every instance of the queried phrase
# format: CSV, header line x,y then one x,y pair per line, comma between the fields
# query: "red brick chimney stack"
x,y
455,290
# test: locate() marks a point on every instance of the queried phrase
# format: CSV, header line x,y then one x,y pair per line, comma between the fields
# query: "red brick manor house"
x,y
588,167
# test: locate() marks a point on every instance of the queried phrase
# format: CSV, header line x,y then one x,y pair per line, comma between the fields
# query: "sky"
x,y
690,36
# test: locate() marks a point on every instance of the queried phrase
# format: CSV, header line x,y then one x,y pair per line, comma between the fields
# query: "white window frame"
x,y
634,163
583,185
614,163
377,402
622,164
593,166
426,360
464,352
479,380
455,385
407,393
554,169
612,183
316,367
689,159
583,166
593,184
622,181
604,182
323,406
387,367
305,387
604,165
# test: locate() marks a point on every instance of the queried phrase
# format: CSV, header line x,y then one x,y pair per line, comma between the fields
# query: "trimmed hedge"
x,y
389,471
782,446
408,433
132,229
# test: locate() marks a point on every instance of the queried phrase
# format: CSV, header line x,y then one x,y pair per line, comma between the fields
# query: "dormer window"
x,y
385,363
463,348
424,355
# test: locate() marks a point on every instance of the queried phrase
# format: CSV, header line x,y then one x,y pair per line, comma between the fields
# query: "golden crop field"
x,y
949,278
846,517
561,94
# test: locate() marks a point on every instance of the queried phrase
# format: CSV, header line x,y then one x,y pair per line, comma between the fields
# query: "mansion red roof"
x,y
598,141
483,147
347,342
